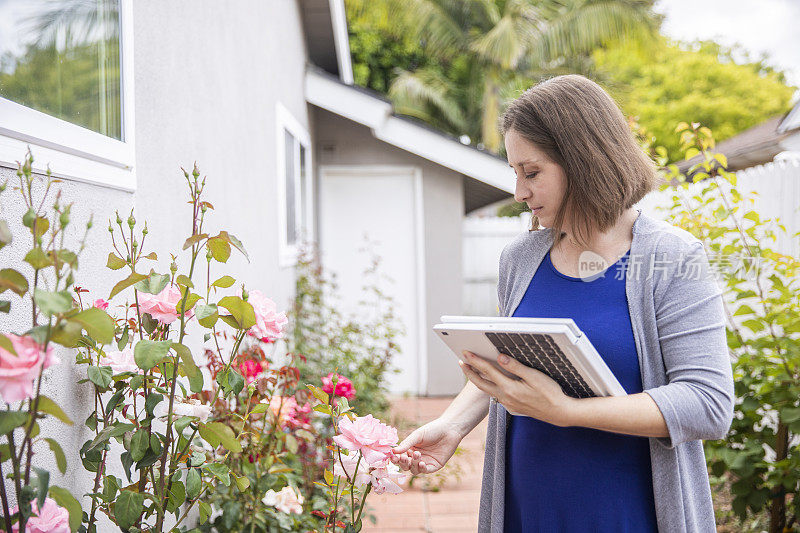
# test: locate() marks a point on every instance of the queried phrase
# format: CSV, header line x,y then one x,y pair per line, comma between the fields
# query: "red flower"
x,y
344,387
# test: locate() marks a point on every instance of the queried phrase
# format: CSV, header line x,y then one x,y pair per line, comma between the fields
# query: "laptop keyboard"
x,y
542,353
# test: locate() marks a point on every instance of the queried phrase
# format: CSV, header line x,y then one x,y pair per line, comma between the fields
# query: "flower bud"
x,y
144,231
28,218
209,255
119,220
110,229
131,220
244,294
64,218
173,267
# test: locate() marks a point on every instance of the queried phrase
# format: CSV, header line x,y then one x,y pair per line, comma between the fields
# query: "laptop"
x,y
555,346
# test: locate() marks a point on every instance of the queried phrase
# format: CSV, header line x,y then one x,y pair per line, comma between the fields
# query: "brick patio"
x,y
454,507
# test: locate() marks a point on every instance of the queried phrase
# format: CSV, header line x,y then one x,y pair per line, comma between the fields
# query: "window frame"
x,y
71,151
304,211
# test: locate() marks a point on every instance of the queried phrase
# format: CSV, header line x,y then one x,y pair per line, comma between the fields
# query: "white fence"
x,y
778,195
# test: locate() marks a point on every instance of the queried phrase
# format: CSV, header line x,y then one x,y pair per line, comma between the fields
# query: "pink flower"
x,y
100,304
368,435
50,519
269,323
286,501
121,361
344,387
388,478
250,369
284,408
17,372
162,306
346,467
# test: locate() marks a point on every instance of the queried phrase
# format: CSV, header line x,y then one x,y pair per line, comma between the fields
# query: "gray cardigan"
x,y
678,324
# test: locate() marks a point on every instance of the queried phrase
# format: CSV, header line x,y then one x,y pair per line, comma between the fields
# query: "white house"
x,y
260,94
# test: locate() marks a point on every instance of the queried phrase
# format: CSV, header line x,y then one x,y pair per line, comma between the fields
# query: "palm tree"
x,y
487,51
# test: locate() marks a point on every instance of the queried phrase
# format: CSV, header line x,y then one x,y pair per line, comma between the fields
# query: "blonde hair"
x,y
580,127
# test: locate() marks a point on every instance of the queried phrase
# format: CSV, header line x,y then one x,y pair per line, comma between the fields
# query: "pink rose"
x,y
250,369
121,361
162,306
17,372
286,501
344,387
50,519
284,408
369,436
269,323
346,467
388,478
101,304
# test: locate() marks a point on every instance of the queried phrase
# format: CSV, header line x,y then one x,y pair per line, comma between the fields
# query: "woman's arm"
x,y
467,409
538,396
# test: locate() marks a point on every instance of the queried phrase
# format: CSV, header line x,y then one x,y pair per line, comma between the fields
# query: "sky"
x,y
769,26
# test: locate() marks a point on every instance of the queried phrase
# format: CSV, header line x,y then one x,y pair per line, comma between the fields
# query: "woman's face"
x,y
541,182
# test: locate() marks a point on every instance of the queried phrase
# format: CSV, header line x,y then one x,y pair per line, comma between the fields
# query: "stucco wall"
x,y
207,77
343,142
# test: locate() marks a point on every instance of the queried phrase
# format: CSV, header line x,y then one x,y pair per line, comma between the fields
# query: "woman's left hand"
x,y
535,394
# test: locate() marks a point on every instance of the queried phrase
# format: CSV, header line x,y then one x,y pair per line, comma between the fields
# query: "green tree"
x,y
692,82
483,52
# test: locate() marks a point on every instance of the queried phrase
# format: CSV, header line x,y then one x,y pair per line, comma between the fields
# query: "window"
x,y
295,185
62,66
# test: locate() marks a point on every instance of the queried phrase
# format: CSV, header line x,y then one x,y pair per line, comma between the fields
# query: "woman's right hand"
x,y
427,448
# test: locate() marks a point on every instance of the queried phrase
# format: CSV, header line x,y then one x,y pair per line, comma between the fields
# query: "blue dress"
x,y
580,479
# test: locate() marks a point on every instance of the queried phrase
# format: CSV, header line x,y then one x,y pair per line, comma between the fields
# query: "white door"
x,y
381,204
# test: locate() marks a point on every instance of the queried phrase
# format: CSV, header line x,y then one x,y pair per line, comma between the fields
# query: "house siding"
x,y
207,78
344,142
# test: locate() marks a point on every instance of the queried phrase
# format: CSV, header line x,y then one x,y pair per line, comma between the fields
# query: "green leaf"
x,y
52,303
228,319
153,284
128,508
319,394
9,420
242,311
220,249
140,443
325,409
790,414
190,300
181,423
230,381
185,281
100,376
193,483
148,354
46,405
242,482
192,372
97,324
150,403
259,408
13,280
115,262
38,259
61,459
224,282
5,306
216,434
43,482
66,500
5,343
235,242
177,495
207,315
220,471
194,239
125,283
205,511
67,333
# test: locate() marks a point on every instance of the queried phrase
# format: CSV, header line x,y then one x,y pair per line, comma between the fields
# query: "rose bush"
x,y
195,417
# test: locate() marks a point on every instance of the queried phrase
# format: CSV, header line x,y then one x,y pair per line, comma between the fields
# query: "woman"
x,y
610,464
